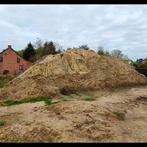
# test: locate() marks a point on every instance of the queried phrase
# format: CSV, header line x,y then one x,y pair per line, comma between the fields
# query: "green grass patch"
x,y
36,99
10,102
89,98
2,123
48,101
119,115
3,82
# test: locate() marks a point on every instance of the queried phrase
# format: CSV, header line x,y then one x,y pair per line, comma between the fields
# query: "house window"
x,y
18,60
1,59
21,67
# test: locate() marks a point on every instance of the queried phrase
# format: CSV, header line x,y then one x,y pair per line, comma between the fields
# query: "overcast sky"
x,y
112,26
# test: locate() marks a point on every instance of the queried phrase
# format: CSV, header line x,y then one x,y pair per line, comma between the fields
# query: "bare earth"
x,y
74,119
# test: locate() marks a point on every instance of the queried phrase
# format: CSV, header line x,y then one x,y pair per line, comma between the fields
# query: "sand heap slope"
x,y
73,70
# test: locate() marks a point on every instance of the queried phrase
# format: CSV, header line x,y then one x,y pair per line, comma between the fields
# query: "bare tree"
x,y
58,47
117,53
38,43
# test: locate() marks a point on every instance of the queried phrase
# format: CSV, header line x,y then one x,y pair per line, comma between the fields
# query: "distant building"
x,y
11,63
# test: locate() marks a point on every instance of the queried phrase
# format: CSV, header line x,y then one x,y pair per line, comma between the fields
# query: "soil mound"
x,y
73,70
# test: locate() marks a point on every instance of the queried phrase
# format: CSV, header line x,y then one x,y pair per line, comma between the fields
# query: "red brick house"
x,y
11,63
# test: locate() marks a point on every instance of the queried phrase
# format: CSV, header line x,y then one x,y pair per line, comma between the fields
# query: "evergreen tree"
x,y
29,53
101,51
49,48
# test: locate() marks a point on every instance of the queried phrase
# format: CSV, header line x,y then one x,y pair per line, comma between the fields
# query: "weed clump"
x,y
119,115
89,98
3,82
2,123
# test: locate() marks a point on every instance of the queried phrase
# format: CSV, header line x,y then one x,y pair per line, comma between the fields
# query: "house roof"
x,y
9,47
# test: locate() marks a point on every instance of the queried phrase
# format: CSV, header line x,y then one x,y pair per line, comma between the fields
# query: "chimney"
x,y
9,46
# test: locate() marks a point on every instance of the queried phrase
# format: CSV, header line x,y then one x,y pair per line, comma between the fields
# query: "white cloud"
x,y
111,26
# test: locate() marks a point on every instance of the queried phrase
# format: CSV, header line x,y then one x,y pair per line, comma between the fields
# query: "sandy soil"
x,y
74,119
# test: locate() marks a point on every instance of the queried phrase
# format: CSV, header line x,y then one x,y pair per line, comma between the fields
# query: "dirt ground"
x,y
112,116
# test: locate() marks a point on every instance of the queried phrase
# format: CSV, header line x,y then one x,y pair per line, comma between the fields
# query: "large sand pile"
x,y
70,71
